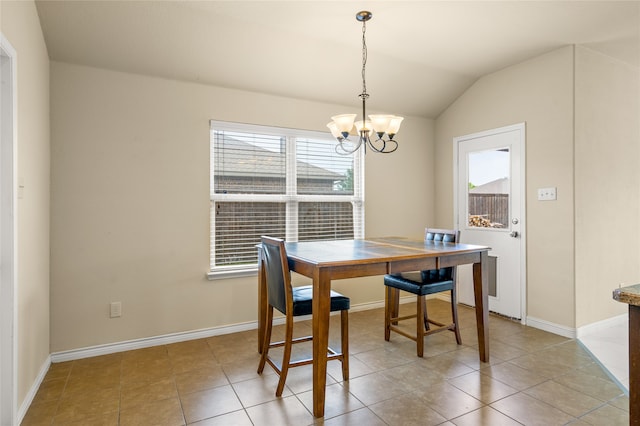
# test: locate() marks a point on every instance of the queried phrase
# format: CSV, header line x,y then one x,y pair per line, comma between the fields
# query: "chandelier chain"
x,y
364,59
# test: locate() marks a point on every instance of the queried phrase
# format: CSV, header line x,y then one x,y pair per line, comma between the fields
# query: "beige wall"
x,y
130,202
581,110
607,148
21,26
538,92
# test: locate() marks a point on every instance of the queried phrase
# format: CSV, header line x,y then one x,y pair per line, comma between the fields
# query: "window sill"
x,y
232,273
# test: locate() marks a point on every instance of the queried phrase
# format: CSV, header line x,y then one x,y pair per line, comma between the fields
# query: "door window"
x,y
488,189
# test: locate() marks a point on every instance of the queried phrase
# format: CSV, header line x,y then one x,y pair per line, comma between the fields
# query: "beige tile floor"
x,y
534,378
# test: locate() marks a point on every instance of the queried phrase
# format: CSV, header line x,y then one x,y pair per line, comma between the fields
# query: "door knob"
x,y
514,234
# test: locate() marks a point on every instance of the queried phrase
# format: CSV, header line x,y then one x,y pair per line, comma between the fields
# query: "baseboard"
x,y
28,399
585,330
166,339
147,342
580,332
558,329
445,296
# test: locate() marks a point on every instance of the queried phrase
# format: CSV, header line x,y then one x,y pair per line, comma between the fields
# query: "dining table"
x,y
325,261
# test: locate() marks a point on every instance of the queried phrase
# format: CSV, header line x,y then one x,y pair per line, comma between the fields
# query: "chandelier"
x,y
379,130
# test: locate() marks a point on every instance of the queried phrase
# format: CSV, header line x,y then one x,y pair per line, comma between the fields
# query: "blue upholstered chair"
x,y
422,283
293,302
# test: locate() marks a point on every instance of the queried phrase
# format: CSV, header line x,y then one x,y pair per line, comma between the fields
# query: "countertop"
x,y
629,294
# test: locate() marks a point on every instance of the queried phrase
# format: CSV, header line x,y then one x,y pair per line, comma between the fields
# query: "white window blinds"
x,y
279,182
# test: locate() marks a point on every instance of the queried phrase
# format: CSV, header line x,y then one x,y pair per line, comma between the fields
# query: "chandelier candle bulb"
x,y
381,123
344,123
363,126
394,126
335,132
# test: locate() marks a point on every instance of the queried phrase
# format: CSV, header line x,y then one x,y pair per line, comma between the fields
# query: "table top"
x,y
370,250
629,294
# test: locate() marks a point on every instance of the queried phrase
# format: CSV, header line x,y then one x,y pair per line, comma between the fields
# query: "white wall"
x,y
130,202
21,26
538,92
607,179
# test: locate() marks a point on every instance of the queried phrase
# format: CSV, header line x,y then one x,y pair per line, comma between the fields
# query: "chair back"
x,y
277,274
443,235
440,236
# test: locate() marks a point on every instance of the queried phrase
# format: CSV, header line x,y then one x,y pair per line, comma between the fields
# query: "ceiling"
x,y
421,54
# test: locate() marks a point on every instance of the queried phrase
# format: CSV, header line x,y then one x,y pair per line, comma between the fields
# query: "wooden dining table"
x,y
324,261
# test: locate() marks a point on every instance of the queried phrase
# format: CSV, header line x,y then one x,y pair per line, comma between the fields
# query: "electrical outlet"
x,y
115,309
546,194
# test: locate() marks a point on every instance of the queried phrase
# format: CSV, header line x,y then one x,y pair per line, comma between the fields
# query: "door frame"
x,y
521,128
8,230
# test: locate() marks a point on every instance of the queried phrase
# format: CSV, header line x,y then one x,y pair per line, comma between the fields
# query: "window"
x,y
280,182
488,205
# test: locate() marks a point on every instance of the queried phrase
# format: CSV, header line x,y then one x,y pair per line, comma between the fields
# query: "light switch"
x,y
115,309
546,194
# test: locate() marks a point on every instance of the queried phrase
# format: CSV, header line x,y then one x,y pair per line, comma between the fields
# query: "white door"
x,y
489,198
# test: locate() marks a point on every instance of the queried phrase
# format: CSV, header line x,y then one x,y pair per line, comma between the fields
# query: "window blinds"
x,y
278,182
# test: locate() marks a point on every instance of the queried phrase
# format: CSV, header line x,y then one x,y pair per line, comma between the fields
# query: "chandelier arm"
x,y
342,150
387,146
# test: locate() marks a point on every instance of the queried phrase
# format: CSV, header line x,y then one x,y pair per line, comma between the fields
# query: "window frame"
x,y
290,198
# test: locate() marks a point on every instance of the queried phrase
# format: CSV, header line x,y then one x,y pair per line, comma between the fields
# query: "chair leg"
x,y
267,339
395,304
387,312
454,314
419,324
427,327
286,357
344,339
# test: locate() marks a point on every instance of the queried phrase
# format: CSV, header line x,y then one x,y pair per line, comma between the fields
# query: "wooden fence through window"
x,y
493,207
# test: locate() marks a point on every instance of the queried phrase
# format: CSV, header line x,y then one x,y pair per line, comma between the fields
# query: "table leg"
x,y
262,302
481,293
634,365
320,323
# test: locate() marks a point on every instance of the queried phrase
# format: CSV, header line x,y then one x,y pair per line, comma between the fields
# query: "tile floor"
x,y
534,378
610,347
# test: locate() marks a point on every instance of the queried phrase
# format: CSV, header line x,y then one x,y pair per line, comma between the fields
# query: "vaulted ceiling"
x,y
421,54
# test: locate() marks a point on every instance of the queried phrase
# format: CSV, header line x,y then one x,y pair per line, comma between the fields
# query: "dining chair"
x,y
292,302
422,283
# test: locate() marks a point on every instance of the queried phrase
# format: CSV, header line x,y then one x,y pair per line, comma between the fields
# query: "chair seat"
x,y
302,300
417,283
